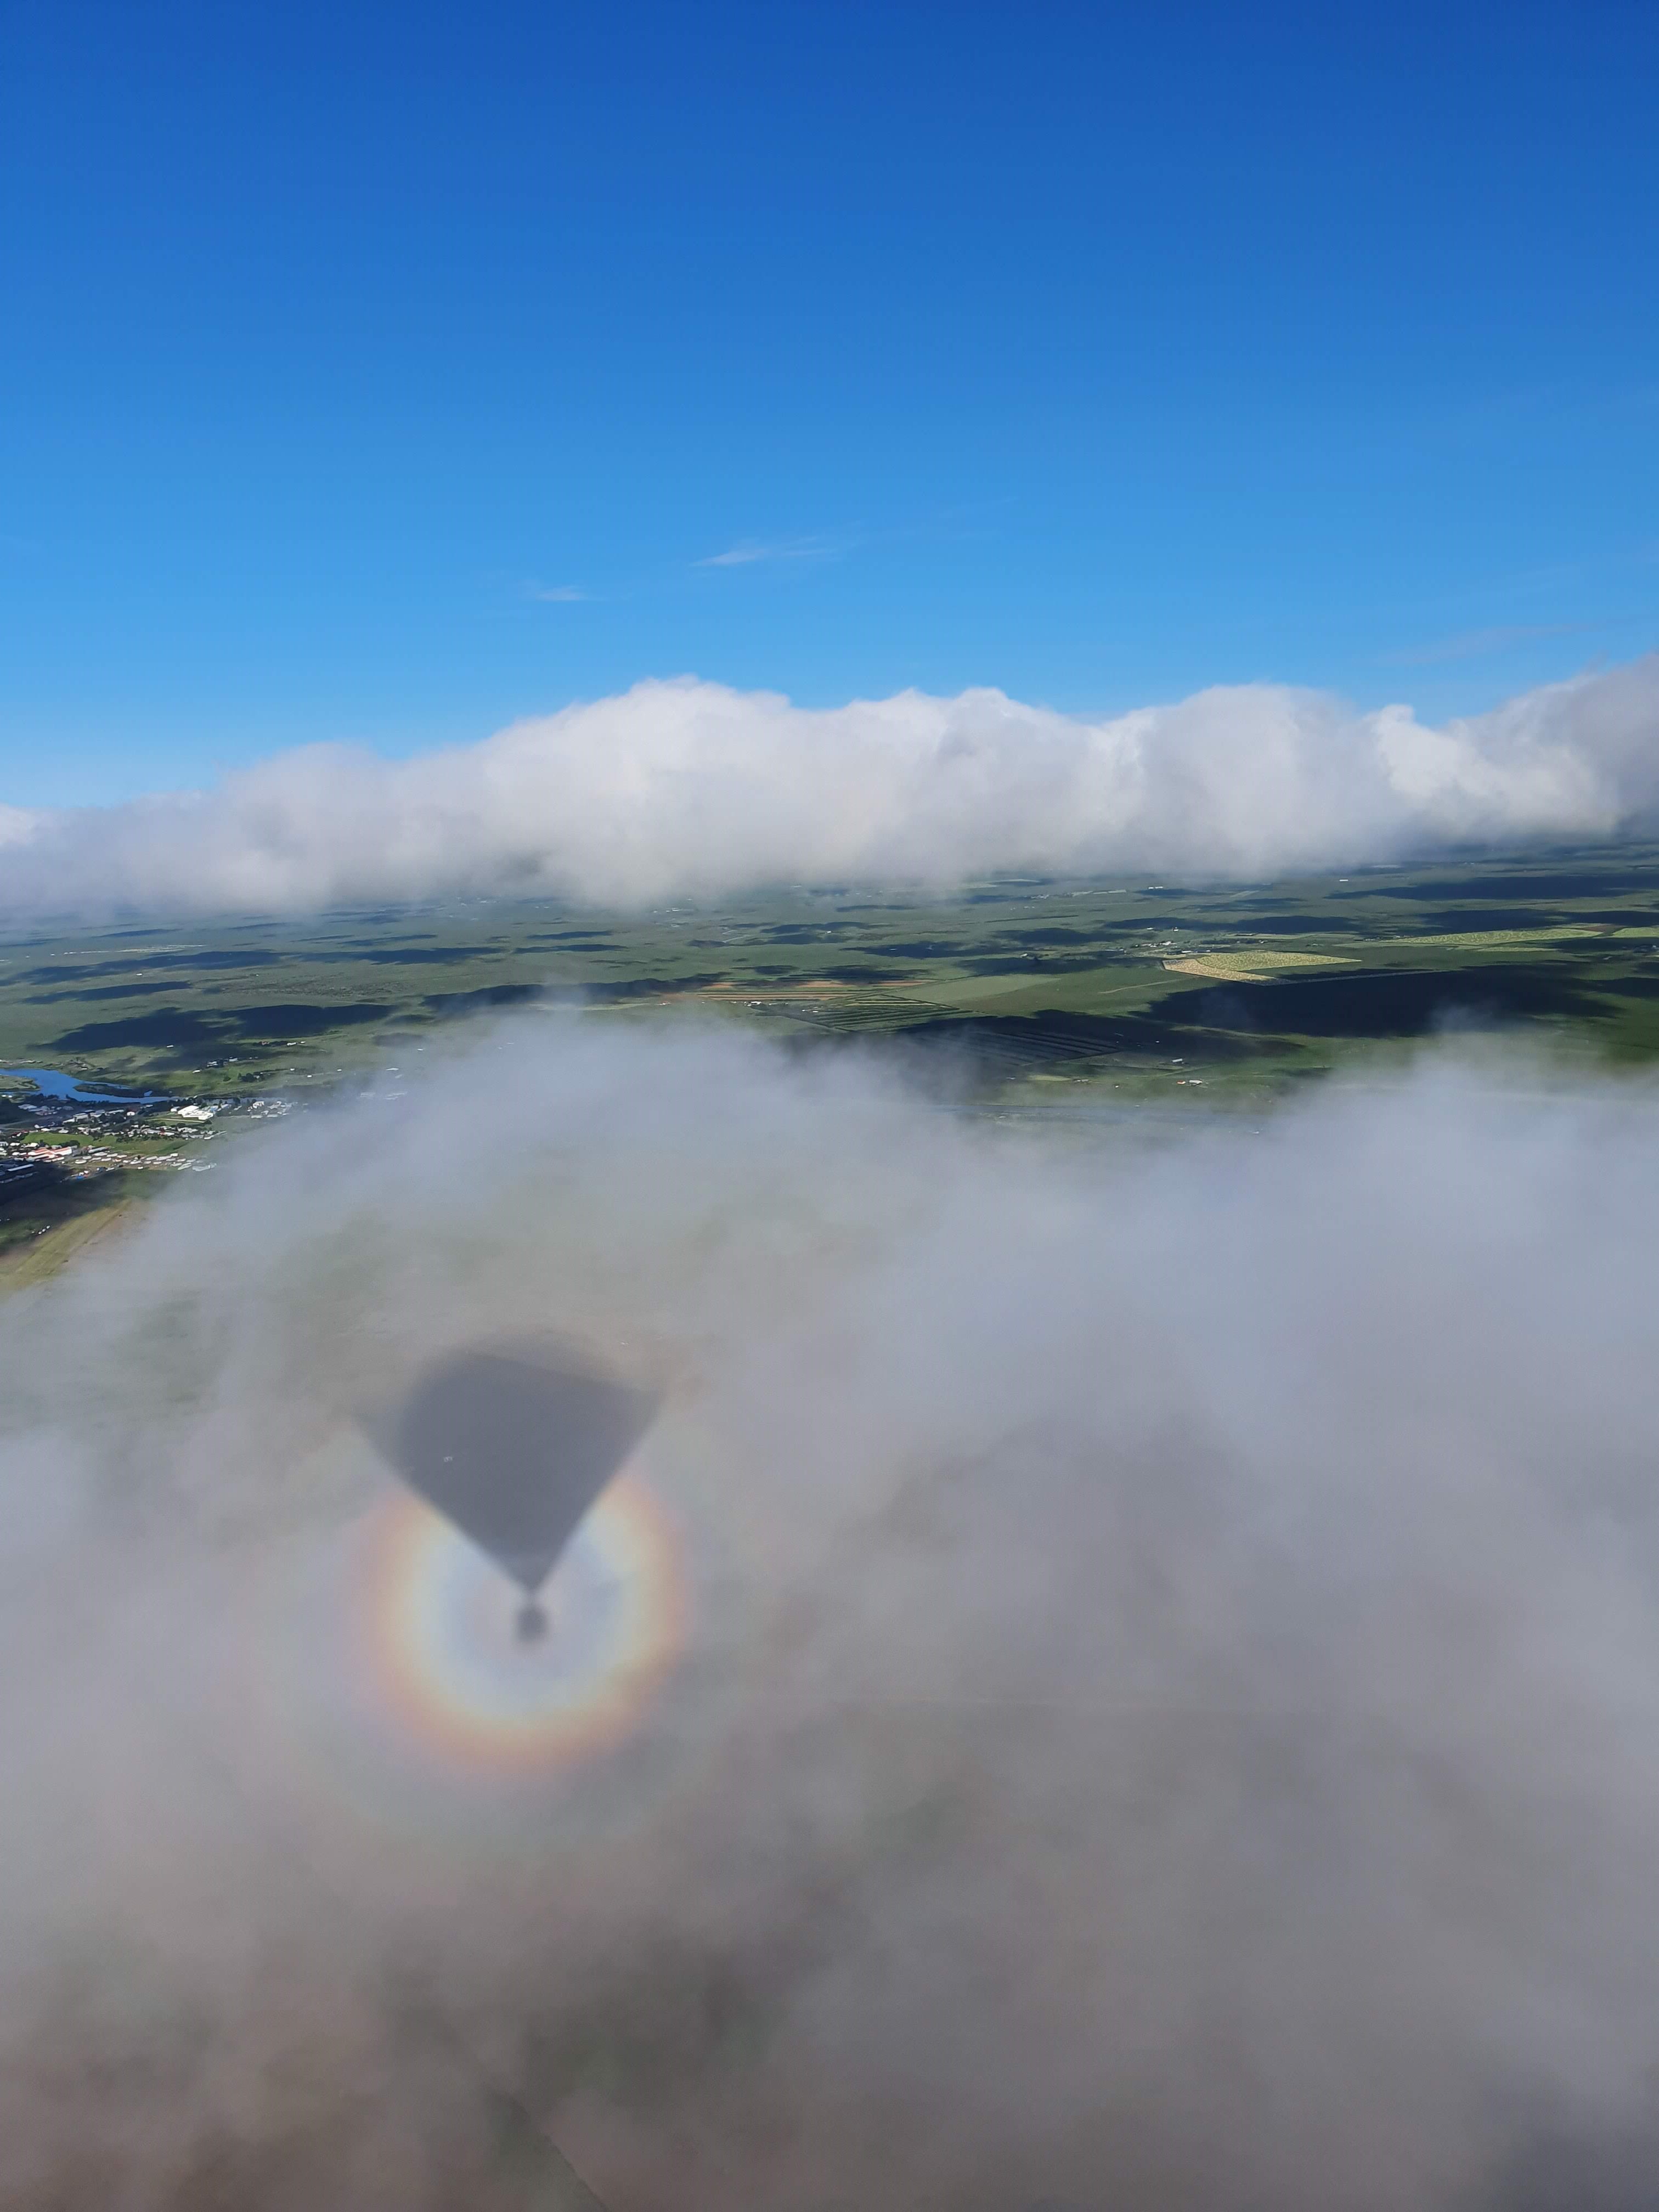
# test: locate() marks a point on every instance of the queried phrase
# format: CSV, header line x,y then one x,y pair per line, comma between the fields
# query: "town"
x,y
48,1140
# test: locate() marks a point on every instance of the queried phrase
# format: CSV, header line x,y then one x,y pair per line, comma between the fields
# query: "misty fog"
x,y
1165,1711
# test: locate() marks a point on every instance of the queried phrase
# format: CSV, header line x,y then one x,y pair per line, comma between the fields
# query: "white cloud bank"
x,y
691,789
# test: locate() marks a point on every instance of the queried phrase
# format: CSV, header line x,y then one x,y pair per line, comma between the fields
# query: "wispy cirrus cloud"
x,y
1474,644
749,552
557,594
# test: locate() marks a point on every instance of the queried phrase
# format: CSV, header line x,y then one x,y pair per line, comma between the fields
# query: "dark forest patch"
x,y
151,963
1383,1003
1055,1035
1455,918
447,1005
656,986
178,1028
1543,883
1627,987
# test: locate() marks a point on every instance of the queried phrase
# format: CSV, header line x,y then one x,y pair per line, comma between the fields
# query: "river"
x,y
51,1083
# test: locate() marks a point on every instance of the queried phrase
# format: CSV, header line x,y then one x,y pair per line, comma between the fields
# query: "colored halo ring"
x,y
446,1650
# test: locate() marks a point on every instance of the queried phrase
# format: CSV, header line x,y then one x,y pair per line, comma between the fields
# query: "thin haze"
x,y
690,787
1170,1714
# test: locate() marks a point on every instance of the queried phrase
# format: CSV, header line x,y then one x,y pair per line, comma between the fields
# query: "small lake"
x,y
51,1083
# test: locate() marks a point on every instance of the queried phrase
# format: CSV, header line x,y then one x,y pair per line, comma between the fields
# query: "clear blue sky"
x,y
1096,351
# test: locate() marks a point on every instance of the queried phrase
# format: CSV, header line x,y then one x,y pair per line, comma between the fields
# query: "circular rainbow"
x,y
436,1623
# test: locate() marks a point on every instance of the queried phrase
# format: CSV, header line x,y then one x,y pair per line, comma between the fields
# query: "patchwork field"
x,y
1033,995
1109,980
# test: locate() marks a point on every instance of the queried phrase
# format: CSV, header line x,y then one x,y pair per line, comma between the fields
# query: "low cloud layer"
x,y
690,788
1170,1713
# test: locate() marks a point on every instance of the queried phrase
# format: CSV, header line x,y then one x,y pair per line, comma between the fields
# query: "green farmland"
x,y
1145,988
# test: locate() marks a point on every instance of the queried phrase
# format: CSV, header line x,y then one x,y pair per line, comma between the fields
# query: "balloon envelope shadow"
x,y
512,1444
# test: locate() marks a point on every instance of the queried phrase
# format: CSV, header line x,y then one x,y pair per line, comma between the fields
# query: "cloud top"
x,y
690,788
1170,1709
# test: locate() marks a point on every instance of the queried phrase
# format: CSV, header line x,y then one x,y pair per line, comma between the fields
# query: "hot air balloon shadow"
x,y
512,1446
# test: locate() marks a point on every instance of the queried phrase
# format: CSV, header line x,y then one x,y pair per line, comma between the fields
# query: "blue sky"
x,y
383,373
